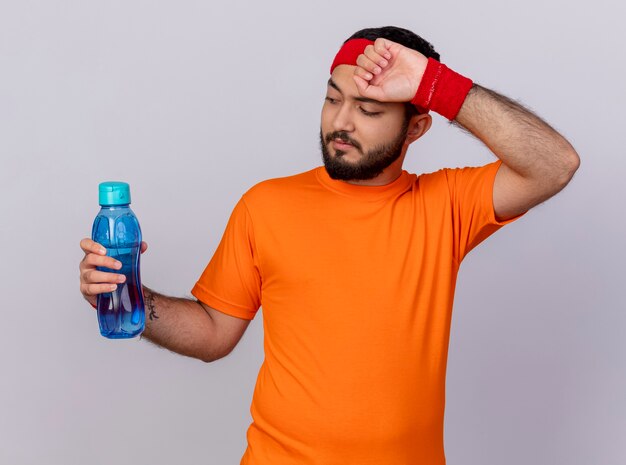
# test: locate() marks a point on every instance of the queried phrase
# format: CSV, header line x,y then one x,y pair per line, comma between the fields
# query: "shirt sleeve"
x,y
231,282
471,193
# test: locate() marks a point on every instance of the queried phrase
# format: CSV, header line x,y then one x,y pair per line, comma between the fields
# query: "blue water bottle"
x,y
121,313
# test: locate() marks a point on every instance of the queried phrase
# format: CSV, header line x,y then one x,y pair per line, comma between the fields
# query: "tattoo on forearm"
x,y
150,304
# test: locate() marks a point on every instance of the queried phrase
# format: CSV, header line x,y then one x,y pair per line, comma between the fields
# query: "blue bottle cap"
x,y
114,193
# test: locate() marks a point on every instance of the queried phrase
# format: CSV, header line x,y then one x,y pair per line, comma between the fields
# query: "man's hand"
x,y
389,72
92,281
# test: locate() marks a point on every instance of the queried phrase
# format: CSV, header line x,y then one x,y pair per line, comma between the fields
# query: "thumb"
x,y
144,247
368,90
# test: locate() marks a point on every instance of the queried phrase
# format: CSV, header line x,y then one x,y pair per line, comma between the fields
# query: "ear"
x,y
418,126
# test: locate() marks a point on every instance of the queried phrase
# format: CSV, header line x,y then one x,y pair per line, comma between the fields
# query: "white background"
x,y
192,103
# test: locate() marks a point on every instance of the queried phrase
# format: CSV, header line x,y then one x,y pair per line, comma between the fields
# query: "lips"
x,y
341,141
338,144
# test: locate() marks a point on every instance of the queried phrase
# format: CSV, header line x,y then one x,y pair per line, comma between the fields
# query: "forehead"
x,y
342,76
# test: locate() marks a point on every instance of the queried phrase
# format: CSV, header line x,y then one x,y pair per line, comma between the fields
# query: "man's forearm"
x,y
180,325
522,140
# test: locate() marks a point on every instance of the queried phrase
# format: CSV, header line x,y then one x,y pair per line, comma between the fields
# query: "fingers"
x,y
363,68
376,57
102,277
367,90
361,82
383,47
370,65
90,276
92,280
90,289
372,62
92,260
89,245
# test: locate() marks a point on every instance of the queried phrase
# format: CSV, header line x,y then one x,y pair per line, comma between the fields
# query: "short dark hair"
x,y
397,34
403,37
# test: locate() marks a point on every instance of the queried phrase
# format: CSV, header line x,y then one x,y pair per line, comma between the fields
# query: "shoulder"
x,y
280,189
453,176
280,186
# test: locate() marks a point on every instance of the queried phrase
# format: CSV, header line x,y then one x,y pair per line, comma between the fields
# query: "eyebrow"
x,y
334,85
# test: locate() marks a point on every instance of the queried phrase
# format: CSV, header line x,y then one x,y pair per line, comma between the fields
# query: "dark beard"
x,y
371,164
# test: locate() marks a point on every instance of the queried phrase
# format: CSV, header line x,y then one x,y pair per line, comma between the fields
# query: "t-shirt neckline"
x,y
395,187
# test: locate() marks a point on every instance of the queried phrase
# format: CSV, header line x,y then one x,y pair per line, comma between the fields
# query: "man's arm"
x,y
184,326
189,327
537,162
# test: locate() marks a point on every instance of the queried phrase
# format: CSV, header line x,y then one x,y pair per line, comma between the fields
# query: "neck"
x,y
389,175
386,177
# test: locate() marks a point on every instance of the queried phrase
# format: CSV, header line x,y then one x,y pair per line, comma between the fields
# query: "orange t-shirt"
x,y
356,285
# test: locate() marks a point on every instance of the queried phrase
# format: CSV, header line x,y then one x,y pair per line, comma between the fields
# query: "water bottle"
x,y
121,313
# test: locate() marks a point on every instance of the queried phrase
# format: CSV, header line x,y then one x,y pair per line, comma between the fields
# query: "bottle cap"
x,y
114,193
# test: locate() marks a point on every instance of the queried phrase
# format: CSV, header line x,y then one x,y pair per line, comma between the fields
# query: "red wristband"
x,y
442,90
94,306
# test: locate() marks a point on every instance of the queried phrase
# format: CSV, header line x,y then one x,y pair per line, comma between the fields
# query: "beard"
x,y
372,163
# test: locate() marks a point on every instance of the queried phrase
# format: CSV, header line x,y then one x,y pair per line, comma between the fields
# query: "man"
x,y
355,263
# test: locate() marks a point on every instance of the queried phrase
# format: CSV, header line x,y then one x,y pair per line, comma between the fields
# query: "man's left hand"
x,y
389,72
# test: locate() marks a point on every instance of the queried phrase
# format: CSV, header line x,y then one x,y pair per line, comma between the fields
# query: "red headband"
x,y
349,52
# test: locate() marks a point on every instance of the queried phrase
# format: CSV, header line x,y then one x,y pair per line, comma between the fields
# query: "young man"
x,y
355,262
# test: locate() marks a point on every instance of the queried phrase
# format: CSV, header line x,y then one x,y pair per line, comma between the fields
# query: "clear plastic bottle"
x,y
121,313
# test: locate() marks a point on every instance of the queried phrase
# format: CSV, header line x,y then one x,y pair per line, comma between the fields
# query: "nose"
x,y
342,120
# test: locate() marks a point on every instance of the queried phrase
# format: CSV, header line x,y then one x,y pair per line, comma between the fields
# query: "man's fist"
x,y
389,72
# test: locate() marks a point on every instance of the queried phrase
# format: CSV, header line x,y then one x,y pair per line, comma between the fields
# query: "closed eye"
x,y
369,113
332,101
